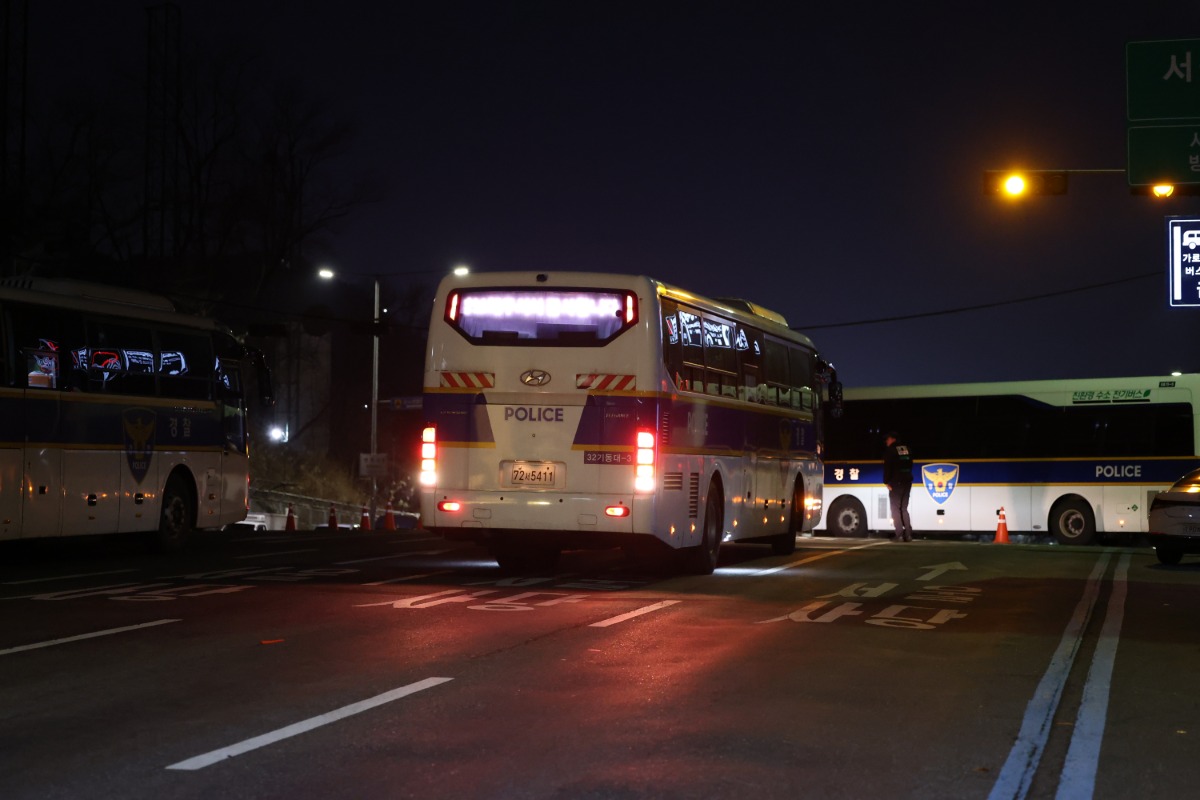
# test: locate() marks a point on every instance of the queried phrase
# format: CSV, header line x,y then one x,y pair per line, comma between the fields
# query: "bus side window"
x,y
185,364
691,341
775,371
750,353
42,368
120,358
720,357
41,337
672,358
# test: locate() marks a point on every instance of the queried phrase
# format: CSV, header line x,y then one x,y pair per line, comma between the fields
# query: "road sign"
x,y
1164,154
373,465
1162,80
1162,84
1183,259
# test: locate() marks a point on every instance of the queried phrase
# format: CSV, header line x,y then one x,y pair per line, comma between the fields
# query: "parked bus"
x,y
120,415
586,410
1070,458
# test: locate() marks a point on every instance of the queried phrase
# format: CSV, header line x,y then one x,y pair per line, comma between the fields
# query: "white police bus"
x,y
585,410
1068,458
119,415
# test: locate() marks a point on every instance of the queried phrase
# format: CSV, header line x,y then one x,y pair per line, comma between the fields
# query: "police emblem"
x,y
940,480
138,424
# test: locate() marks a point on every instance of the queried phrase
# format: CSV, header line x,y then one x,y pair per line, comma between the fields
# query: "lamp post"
x,y
325,273
375,400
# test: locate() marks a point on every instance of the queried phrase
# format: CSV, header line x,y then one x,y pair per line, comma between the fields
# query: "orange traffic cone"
x,y
333,523
364,522
290,525
389,522
1001,529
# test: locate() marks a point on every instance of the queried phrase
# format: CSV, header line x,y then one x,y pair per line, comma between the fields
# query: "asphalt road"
x,y
396,665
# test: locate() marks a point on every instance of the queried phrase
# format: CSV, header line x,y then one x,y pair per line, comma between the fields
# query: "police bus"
x,y
585,410
120,415
1069,458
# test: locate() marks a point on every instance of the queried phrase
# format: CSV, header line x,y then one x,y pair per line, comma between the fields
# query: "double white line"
x,y
1078,779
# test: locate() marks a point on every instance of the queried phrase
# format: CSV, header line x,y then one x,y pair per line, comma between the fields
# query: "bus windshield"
x,y
555,317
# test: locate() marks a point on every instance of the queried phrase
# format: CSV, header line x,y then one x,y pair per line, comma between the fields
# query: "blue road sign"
x,y
1183,260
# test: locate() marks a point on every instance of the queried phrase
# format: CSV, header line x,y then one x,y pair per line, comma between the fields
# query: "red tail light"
x,y
644,461
428,475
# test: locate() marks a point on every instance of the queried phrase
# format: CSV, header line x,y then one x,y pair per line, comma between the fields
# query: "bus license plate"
x,y
533,473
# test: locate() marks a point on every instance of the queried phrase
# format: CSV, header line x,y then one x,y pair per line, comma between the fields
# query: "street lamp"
x,y
325,273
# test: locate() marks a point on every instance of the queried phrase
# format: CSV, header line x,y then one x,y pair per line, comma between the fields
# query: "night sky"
x,y
824,163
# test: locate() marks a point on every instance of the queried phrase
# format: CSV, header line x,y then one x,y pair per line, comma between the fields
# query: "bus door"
x,y
42,456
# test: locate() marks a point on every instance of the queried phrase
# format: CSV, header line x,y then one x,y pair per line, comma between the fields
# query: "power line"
x,y
981,306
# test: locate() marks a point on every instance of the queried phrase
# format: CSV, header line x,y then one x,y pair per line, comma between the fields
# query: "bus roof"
x,y
99,298
1034,387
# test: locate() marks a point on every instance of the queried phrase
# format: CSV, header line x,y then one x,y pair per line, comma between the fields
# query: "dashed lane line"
x,y
82,636
212,757
817,557
68,577
632,614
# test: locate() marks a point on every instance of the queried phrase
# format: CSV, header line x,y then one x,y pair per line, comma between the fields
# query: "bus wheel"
x,y
1167,554
785,543
1071,522
847,517
176,521
702,559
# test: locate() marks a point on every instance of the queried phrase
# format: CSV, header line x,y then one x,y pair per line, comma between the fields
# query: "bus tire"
x,y
1071,522
785,543
702,559
1168,554
177,519
848,518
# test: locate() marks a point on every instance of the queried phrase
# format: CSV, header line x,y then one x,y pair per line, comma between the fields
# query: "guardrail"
x,y
312,512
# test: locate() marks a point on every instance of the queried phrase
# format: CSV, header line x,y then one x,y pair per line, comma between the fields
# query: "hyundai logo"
x,y
535,377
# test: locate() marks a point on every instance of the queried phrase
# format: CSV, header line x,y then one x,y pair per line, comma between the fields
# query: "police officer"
x,y
898,475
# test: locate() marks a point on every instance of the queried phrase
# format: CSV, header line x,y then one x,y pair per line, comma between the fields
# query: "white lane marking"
x,y
817,557
212,757
82,636
1017,773
68,577
632,614
407,578
1083,757
277,553
394,555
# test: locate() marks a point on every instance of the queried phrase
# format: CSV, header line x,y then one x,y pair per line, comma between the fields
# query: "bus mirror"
x,y
835,399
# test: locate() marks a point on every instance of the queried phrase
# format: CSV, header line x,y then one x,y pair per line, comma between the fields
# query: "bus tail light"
x,y
428,475
643,480
631,309
617,511
449,505
452,307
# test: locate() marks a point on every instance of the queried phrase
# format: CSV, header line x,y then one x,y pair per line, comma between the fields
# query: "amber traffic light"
x,y
1018,183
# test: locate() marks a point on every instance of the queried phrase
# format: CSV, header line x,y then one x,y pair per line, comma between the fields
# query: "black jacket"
x,y
897,466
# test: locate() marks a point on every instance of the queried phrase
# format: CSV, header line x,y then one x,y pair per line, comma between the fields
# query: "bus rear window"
x,y
541,317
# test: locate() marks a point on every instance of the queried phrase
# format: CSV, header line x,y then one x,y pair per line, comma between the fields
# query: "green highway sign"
x,y
1163,106
1164,154
1162,80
